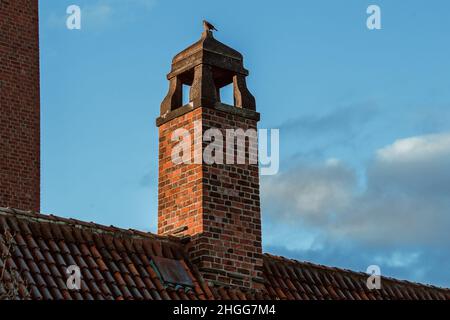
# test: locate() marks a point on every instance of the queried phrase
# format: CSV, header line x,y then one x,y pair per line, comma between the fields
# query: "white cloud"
x,y
398,259
406,200
104,13
417,167
416,149
399,221
97,14
148,4
312,191
116,11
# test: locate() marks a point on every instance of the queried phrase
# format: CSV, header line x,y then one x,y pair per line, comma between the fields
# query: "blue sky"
x,y
363,117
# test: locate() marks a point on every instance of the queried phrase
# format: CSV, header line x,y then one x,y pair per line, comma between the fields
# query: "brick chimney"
x,y
19,105
216,205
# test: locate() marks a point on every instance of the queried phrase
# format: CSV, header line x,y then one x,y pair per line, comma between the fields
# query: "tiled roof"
x,y
294,280
114,263
123,264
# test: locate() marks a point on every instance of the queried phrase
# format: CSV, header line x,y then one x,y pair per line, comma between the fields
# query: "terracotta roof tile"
x,y
43,266
118,264
35,293
320,282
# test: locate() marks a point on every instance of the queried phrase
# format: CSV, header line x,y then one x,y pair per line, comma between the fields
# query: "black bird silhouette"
x,y
208,26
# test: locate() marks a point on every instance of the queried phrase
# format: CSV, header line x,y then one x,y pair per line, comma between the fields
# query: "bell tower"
x,y
216,205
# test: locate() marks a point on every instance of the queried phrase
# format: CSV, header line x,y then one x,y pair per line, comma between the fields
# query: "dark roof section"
x,y
294,280
123,264
114,263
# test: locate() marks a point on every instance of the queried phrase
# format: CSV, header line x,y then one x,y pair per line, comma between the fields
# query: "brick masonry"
x,y
219,204
19,105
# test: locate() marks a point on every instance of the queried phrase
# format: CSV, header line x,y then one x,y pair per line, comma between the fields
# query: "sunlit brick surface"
x,y
219,204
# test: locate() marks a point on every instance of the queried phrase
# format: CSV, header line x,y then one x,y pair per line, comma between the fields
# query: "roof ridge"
x,y
352,272
50,218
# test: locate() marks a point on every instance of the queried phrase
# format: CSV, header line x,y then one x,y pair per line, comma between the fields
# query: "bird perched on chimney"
x,y
208,26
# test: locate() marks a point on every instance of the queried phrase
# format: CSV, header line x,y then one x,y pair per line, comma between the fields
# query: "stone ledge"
x,y
245,113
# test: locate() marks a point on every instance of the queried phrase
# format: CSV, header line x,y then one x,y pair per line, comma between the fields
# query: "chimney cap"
x,y
208,43
207,66
210,51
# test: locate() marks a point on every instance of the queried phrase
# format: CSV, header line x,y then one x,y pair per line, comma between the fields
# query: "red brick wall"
x,y
218,203
19,105
180,192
